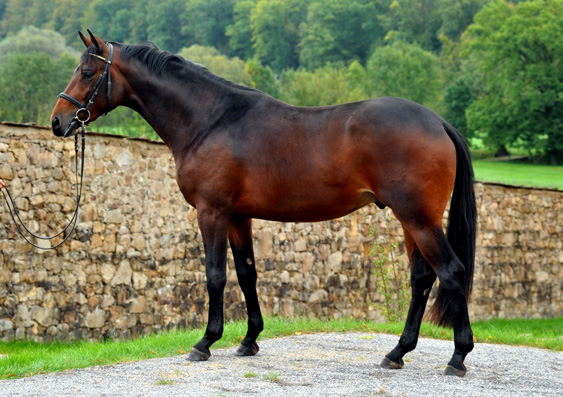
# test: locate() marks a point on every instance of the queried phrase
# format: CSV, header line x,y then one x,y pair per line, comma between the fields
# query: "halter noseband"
x,y
84,107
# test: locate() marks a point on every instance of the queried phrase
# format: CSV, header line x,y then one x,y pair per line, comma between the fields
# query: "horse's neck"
x,y
174,111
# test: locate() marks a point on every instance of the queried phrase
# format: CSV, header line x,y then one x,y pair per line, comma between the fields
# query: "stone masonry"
x,y
136,265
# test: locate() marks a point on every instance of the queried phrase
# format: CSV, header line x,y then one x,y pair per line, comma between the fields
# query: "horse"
x,y
241,154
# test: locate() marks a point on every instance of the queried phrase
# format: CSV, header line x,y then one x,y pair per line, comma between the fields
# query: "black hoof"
x,y
247,351
453,371
388,364
196,355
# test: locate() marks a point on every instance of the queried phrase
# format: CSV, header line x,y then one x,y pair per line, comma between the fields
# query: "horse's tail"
x,y
462,226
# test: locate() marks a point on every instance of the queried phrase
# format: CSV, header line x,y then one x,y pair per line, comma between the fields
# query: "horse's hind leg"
x,y
422,278
436,249
240,238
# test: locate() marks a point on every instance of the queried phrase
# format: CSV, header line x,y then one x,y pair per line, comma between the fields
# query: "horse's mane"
x,y
162,63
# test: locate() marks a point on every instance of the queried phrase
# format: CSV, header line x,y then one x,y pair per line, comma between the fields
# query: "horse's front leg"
x,y
240,238
213,225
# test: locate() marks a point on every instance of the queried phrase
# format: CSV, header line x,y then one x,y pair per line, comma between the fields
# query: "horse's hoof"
x,y
387,363
453,371
196,355
247,351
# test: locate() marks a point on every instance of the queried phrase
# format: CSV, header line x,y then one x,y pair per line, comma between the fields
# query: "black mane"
x,y
162,63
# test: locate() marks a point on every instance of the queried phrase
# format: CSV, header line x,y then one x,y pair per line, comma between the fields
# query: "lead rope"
x,y
72,223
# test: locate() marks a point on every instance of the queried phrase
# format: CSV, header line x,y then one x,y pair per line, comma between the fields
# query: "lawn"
x,y
25,358
520,174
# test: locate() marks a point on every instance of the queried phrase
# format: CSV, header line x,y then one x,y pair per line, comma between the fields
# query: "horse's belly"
x,y
306,207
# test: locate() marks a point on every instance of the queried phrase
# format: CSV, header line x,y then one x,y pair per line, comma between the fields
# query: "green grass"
x,y
19,359
520,174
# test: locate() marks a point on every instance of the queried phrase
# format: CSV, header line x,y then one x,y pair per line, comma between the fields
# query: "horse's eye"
x,y
87,75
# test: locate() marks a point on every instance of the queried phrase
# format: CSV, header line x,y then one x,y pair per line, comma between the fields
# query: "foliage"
x,y
262,78
275,32
34,40
457,15
519,50
207,20
412,21
463,90
392,279
29,84
324,41
404,70
166,26
124,121
325,86
232,69
240,31
505,88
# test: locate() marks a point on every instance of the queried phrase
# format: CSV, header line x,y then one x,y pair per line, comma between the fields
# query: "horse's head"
x,y
88,94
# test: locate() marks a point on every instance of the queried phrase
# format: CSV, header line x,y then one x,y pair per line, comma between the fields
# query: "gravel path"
x,y
314,365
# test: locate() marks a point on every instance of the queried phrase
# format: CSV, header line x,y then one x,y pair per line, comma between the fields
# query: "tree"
x,y
29,84
275,32
3,4
240,31
323,87
358,81
67,20
34,40
519,51
262,78
165,24
21,13
412,21
338,31
458,96
457,15
232,69
207,20
404,70
110,19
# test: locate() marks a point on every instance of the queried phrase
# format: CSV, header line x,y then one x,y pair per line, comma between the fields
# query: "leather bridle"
x,y
83,113
82,117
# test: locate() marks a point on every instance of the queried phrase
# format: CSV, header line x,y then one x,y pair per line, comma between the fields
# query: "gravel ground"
x,y
314,365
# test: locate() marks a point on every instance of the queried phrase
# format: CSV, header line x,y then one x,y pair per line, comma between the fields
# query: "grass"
x,y
25,358
250,374
520,174
272,377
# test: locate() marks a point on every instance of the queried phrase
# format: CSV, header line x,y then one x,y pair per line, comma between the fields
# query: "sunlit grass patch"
x,y
26,358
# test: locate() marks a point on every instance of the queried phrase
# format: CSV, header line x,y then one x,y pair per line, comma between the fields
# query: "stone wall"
x,y
136,266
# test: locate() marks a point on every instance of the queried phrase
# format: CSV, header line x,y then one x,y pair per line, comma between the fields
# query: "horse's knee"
x,y
216,285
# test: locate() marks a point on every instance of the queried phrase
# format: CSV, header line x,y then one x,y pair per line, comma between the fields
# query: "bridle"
x,y
84,108
83,117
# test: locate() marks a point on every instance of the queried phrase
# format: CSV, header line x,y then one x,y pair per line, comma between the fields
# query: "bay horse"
x,y
241,154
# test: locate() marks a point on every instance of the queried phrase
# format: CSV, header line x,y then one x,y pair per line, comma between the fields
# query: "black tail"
x,y
462,225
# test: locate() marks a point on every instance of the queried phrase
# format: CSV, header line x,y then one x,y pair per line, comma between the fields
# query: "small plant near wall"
x,y
392,280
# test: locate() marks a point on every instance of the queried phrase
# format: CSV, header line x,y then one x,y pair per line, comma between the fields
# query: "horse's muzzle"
x,y
56,126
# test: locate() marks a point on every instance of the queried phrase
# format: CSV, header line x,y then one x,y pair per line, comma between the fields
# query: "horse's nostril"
x,y
55,123
56,126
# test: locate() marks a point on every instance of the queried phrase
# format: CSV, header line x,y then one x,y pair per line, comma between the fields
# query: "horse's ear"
x,y
87,42
96,42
